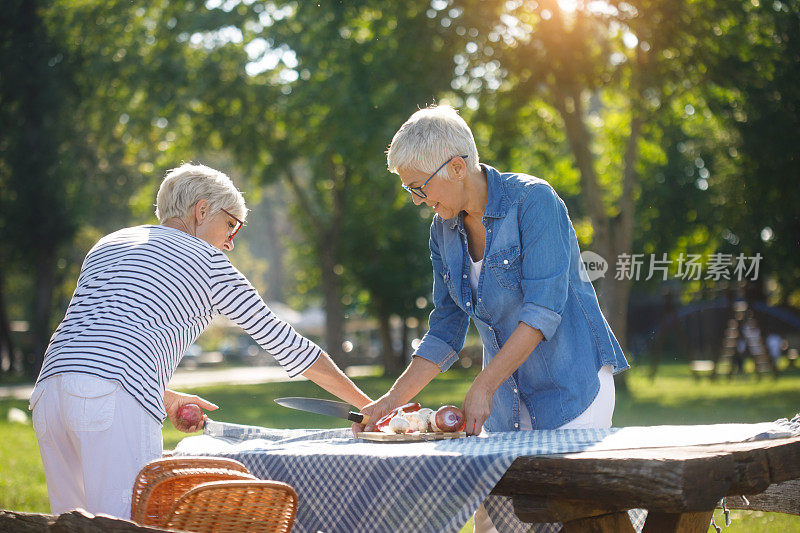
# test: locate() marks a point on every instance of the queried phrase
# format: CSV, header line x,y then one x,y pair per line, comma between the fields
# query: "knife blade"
x,y
323,407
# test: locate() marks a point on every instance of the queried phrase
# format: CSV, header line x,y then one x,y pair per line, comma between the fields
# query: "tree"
x,y
95,97
755,58
606,73
389,259
350,74
38,207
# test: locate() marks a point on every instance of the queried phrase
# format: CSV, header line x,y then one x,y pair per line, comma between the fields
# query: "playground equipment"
x,y
718,335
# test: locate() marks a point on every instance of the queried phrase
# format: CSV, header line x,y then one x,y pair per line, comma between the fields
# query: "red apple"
x,y
190,414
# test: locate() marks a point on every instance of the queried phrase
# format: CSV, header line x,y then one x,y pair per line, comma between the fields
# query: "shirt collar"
x,y
496,198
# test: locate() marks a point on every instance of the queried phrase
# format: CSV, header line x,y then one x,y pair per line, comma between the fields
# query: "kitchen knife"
x,y
323,407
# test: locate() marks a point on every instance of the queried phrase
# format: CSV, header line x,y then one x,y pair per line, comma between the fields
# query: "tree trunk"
x,y
275,272
44,272
334,311
6,342
328,238
611,238
392,363
570,108
403,355
622,232
615,308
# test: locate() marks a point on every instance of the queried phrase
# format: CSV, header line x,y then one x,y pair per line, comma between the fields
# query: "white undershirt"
x,y
474,275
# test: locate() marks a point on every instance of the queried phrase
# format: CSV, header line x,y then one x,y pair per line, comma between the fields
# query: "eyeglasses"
x,y
237,227
418,190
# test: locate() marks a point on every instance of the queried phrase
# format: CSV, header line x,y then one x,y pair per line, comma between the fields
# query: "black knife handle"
x,y
359,418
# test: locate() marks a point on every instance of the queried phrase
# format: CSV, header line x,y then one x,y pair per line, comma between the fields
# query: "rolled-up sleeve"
x,y
545,231
447,323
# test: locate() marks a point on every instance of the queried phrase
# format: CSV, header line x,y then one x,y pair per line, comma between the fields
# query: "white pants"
x,y
94,438
597,415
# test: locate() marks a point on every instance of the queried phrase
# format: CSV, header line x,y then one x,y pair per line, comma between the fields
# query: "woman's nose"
x,y
228,246
417,200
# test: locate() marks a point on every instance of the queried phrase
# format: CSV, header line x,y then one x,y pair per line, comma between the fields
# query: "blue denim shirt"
x,y
531,274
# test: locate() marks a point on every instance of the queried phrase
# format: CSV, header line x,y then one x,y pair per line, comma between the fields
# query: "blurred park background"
x,y
670,128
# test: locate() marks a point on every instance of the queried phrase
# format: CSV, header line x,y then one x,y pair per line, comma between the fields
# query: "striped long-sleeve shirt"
x,y
143,296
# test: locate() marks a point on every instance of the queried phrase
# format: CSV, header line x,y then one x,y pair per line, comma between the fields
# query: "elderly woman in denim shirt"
x,y
505,256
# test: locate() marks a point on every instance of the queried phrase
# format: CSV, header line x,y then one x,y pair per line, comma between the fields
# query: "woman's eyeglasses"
x,y
236,228
418,190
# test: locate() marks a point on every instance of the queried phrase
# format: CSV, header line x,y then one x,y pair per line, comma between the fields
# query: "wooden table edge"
x,y
722,469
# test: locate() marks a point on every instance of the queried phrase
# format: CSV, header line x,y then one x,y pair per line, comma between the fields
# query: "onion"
x,y
448,419
190,414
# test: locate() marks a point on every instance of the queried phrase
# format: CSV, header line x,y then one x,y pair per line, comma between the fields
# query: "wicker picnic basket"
x,y
162,482
241,506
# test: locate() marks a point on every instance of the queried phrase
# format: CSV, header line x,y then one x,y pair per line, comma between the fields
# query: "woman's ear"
x,y
458,168
200,211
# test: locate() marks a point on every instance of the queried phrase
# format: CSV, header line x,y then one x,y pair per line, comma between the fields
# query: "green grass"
x,y
672,398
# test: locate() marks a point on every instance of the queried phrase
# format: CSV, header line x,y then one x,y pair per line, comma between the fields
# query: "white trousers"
x,y
597,415
93,438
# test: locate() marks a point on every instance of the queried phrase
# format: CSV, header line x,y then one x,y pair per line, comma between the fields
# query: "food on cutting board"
x,y
447,419
413,418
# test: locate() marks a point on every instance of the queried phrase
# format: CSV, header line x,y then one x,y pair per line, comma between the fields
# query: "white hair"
x,y
187,184
430,137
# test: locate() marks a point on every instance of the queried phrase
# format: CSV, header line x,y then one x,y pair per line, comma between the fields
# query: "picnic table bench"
x,y
679,486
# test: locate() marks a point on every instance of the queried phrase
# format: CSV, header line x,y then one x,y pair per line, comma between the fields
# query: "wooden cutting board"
x,y
379,436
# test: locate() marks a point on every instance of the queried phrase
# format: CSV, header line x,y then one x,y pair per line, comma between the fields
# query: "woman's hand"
x,y
173,401
477,406
478,401
375,411
418,374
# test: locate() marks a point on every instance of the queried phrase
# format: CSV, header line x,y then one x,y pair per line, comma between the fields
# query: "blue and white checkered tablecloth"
x,y
350,485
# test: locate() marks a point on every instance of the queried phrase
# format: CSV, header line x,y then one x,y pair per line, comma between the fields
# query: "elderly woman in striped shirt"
x,y
143,296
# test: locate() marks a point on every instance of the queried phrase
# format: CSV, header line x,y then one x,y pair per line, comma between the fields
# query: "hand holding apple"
x,y
186,410
190,415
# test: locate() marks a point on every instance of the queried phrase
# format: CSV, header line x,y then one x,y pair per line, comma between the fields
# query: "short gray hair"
x,y
430,137
187,184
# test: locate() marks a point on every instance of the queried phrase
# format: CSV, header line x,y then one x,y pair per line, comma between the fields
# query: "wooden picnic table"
x,y
679,486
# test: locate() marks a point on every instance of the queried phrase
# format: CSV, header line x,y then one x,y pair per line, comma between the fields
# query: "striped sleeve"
x,y
232,295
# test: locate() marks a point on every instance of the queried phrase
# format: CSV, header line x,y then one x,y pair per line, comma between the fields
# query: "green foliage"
x,y
98,98
388,255
349,75
37,90
630,60
39,202
756,56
